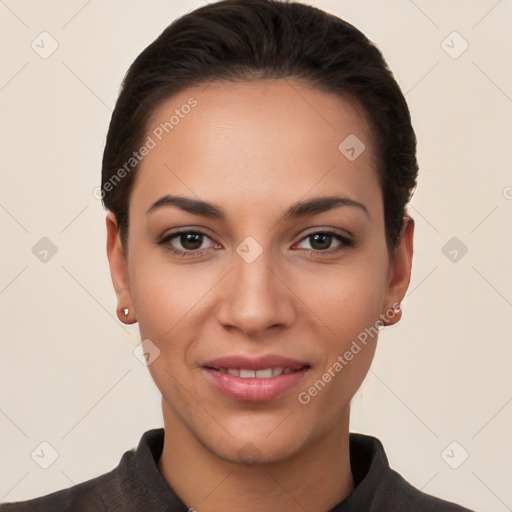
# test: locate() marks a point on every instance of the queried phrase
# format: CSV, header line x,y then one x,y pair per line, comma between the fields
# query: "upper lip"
x,y
257,363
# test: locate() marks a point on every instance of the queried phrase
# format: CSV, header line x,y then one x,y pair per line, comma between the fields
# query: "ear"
x,y
399,273
119,271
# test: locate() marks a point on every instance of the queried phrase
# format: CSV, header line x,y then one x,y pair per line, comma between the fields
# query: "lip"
x,y
254,389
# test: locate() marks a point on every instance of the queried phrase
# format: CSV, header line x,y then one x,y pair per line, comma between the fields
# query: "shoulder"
x,y
99,494
408,497
131,486
84,497
381,487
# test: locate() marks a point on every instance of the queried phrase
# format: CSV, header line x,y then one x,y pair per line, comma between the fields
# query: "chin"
x,y
254,452
262,442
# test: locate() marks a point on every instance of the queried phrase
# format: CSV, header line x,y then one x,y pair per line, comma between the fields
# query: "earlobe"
x,y
119,271
400,273
125,315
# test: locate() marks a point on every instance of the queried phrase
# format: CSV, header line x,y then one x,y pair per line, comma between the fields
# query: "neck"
x,y
314,479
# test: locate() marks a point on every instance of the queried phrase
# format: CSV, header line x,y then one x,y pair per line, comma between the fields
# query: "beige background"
x,y
69,376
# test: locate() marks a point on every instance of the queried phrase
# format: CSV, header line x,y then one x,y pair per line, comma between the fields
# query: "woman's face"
x,y
251,280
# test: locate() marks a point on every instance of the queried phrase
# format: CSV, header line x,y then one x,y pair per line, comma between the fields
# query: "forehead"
x,y
259,140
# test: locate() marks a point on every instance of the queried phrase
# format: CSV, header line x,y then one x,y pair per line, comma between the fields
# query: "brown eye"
x,y
191,241
320,242
186,243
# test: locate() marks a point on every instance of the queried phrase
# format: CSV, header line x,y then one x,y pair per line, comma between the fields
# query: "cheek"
x,y
164,295
349,298
350,307
164,305
349,303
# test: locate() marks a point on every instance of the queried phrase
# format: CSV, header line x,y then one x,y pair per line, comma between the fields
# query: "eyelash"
x,y
164,242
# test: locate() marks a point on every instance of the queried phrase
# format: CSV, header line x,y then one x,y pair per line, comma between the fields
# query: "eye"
x,y
322,240
190,241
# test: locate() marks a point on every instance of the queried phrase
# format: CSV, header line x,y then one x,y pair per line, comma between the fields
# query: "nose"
x,y
256,296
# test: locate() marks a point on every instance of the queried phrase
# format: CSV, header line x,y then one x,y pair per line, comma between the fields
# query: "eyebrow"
x,y
313,206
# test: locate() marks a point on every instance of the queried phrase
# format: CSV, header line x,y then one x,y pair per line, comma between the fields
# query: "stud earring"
x,y
125,311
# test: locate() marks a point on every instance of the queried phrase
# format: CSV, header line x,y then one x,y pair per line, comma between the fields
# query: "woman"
x,y
256,174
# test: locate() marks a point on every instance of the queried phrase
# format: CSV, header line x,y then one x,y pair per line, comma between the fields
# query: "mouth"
x,y
255,380
266,373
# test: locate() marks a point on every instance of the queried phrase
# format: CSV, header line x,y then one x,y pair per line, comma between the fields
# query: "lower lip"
x,y
254,389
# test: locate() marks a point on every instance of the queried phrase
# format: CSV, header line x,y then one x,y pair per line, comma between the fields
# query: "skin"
x,y
254,149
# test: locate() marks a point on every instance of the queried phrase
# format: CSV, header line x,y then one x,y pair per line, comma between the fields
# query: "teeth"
x,y
267,373
264,374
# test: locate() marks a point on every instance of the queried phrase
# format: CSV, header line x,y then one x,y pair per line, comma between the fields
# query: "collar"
x,y
369,464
